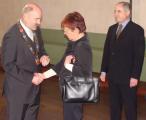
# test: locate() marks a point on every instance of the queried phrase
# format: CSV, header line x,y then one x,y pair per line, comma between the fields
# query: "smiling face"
x,y
121,14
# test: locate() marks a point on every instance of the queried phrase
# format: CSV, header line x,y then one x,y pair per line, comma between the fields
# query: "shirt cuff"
x,y
69,67
49,73
103,73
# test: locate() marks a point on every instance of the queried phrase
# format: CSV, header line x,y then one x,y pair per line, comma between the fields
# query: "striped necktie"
x,y
119,30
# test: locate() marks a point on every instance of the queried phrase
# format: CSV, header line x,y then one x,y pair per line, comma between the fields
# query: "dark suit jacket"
x,y
19,65
123,58
83,55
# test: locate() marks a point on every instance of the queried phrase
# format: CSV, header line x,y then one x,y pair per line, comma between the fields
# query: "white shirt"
x,y
124,23
28,31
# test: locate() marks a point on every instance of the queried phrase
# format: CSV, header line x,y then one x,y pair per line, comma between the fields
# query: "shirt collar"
x,y
28,31
125,23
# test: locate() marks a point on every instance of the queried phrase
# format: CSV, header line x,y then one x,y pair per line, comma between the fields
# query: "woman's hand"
x,y
69,59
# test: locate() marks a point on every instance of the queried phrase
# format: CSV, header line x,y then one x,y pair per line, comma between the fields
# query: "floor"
x,y
51,105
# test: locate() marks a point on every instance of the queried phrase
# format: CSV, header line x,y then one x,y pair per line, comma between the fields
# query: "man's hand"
x,y
44,60
103,77
38,78
69,59
35,80
133,82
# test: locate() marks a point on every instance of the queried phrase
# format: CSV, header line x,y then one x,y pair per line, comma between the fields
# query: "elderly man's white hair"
x,y
126,5
30,7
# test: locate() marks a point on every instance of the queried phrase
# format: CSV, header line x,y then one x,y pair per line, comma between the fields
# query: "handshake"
x,y
39,77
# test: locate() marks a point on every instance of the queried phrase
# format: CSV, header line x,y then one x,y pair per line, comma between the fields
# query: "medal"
x,y
34,51
37,60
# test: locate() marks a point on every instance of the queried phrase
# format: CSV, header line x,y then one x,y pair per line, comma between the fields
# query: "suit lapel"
x,y
115,31
113,39
124,31
25,44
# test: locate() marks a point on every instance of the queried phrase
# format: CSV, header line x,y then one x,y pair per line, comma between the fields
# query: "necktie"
x,y
34,37
119,31
35,40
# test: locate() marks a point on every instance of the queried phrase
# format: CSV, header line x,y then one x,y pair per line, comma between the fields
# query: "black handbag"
x,y
79,89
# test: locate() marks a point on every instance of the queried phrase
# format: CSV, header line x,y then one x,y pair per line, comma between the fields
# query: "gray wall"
x,y
98,13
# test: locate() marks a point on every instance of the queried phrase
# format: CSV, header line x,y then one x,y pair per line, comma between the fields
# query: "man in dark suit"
x,y
22,55
122,62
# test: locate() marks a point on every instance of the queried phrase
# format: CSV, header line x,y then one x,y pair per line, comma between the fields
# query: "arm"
x,y
40,77
106,52
9,59
57,68
105,58
139,49
44,58
83,61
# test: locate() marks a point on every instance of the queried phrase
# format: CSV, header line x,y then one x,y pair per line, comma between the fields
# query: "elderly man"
x,y
22,55
122,62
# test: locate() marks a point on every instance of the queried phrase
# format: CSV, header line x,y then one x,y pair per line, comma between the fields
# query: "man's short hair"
x,y
126,5
27,8
30,7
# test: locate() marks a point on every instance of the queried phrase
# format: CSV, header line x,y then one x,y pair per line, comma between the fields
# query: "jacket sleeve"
x,y
42,48
106,53
9,59
139,51
83,62
58,67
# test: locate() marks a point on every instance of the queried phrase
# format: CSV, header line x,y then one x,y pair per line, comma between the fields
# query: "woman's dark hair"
x,y
74,20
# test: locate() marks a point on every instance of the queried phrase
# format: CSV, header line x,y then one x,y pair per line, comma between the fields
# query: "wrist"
x,y
69,66
103,73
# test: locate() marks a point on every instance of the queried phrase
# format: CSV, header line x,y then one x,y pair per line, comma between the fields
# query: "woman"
x,y
77,59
